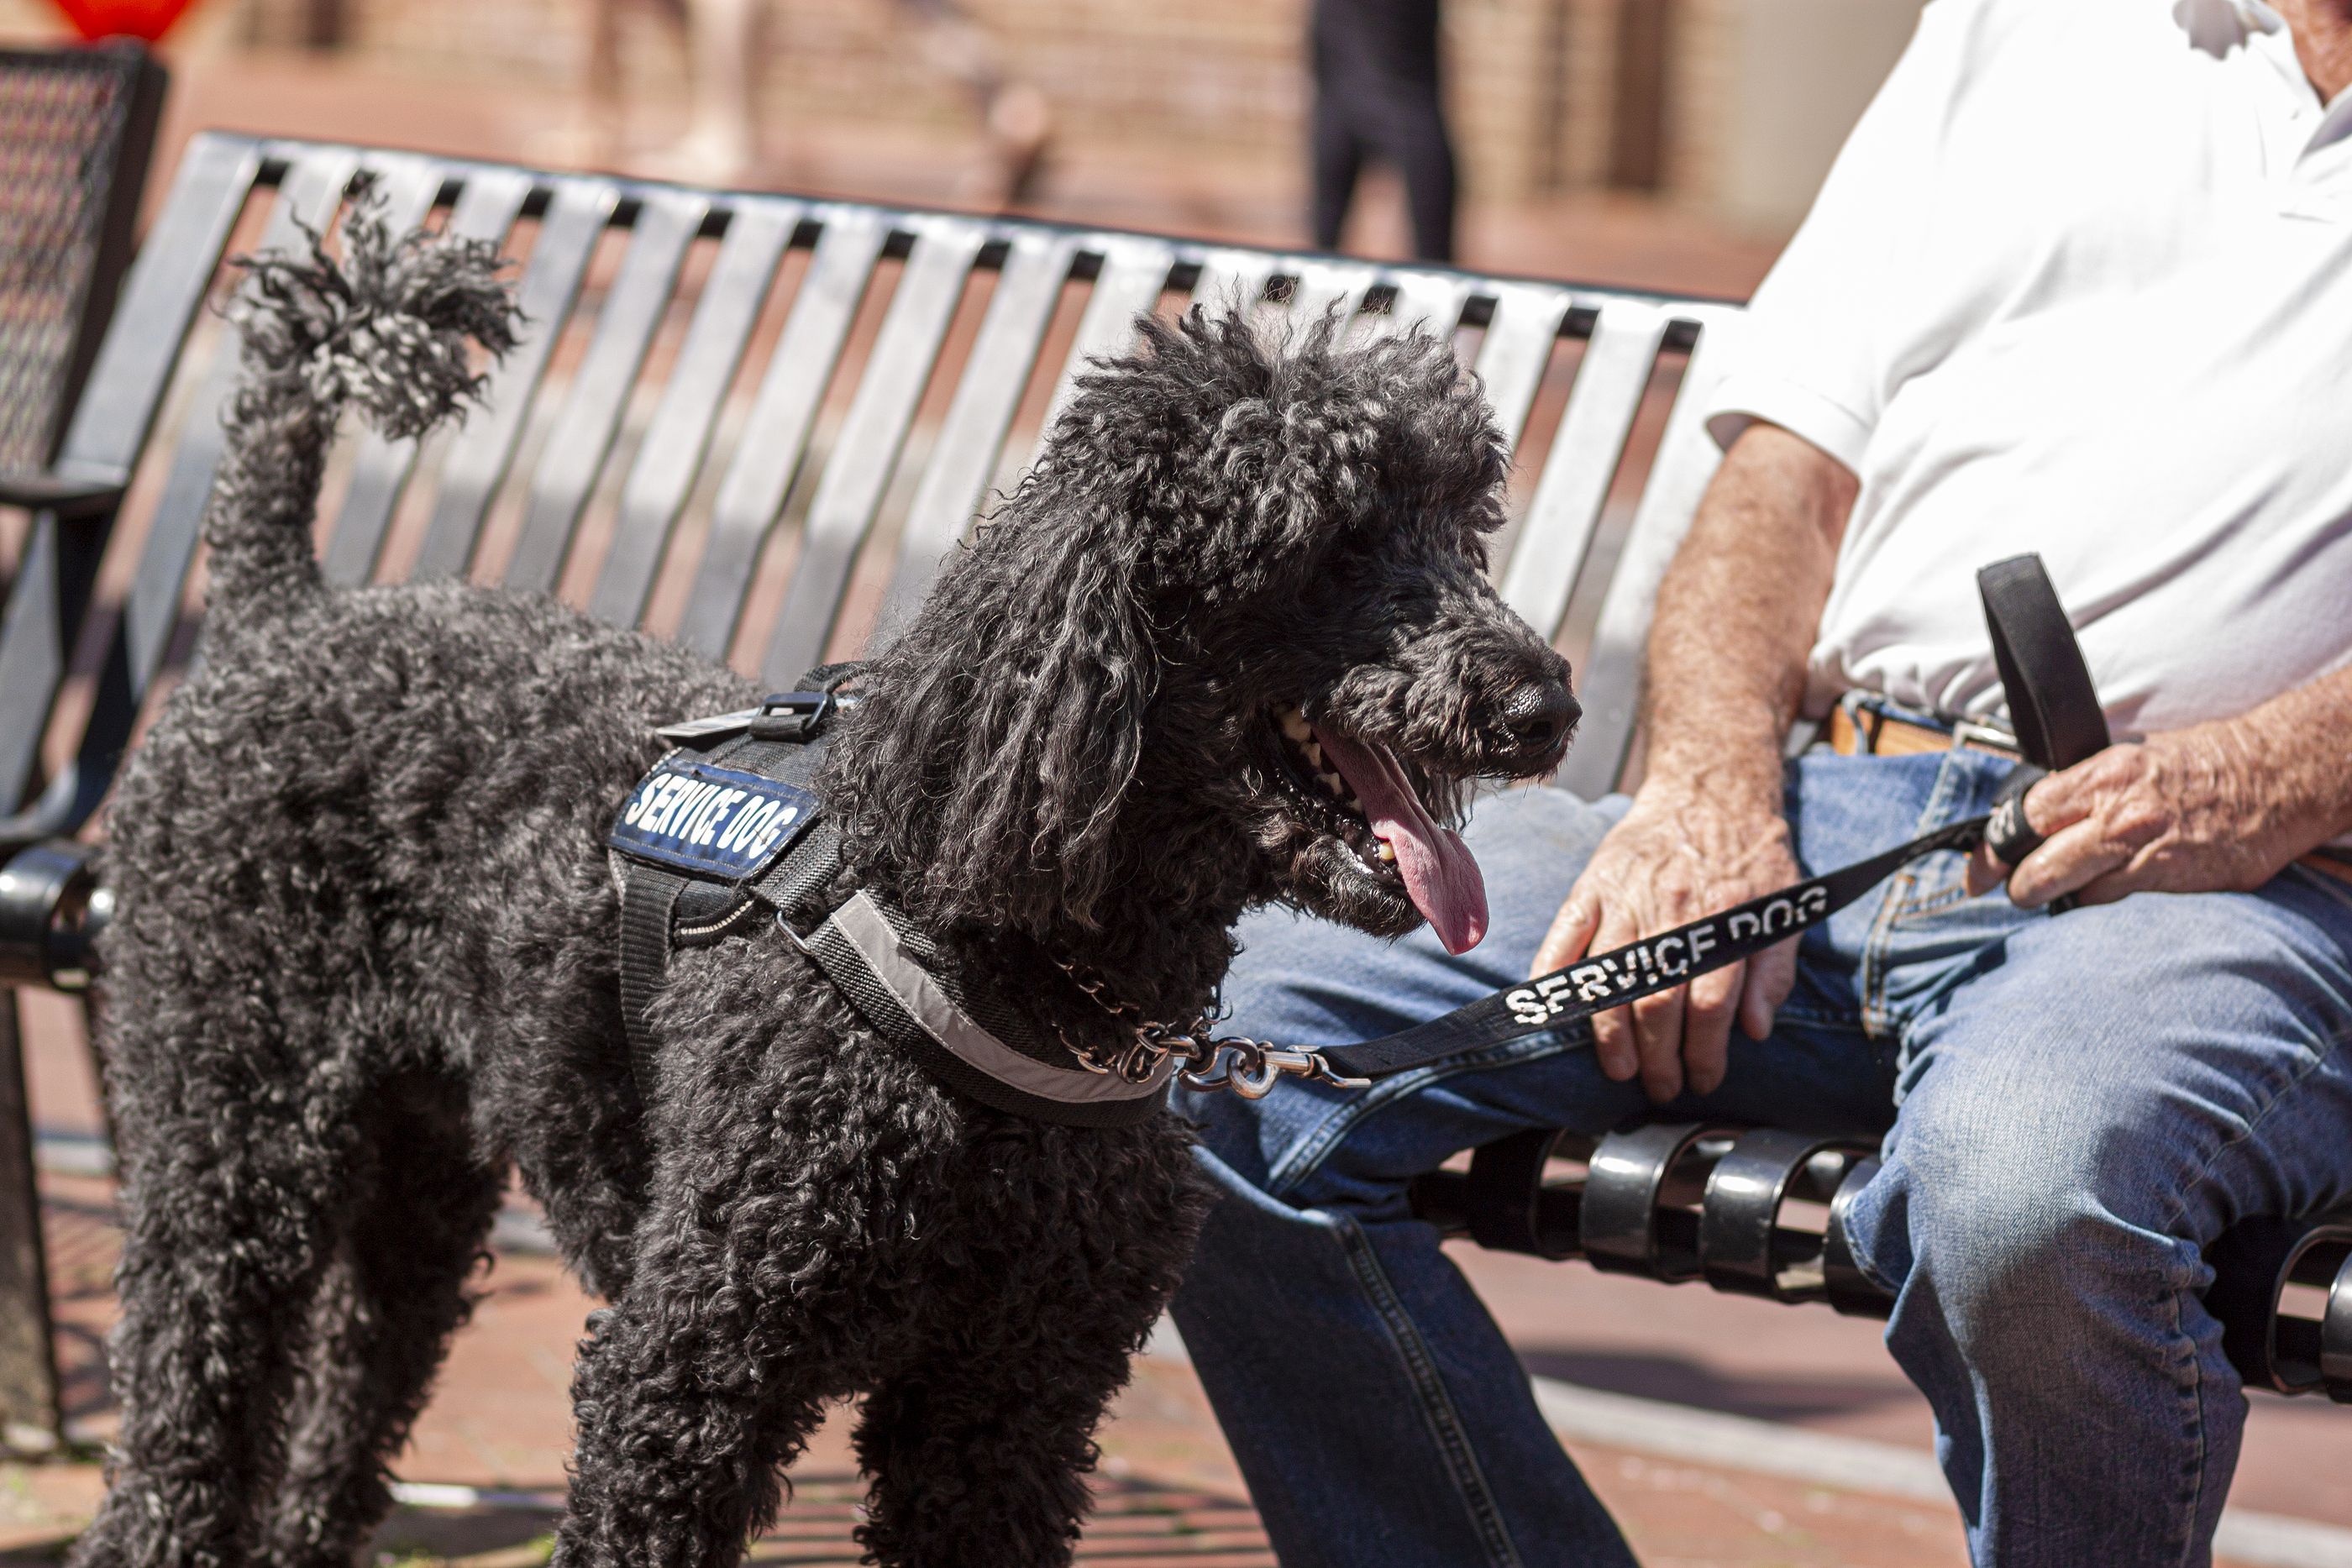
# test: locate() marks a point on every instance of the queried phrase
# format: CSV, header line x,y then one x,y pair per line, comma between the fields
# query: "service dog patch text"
x,y
712,819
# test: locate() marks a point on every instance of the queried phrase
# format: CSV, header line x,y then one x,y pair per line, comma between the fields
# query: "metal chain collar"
x,y
1247,1067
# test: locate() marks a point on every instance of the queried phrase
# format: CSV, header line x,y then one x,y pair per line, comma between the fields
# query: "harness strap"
x,y
868,951
649,898
862,952
803,874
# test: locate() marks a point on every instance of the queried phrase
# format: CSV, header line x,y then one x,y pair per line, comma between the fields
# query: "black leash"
x,y
1645,968
2053,704
2058,722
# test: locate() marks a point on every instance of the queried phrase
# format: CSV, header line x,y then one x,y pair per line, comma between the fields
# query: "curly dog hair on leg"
x,y
1231,641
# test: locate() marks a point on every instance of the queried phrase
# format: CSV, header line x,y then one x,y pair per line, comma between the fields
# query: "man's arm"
x,y
2218,807
1736,619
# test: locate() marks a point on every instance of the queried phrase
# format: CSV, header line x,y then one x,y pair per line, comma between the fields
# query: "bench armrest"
x,y
51,909
68,498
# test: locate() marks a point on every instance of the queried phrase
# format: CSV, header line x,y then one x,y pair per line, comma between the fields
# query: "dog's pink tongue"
x,y
1440,872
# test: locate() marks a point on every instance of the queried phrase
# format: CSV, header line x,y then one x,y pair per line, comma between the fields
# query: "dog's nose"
x,y
1538,714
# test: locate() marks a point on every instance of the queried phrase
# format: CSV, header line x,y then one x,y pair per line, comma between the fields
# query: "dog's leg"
x,y
383,1318
229,1202
979,1457
710,1371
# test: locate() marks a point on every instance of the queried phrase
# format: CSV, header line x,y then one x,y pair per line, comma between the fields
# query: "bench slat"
x,y
576,448
312,191
1232,278
858,469
1515,350
1324,286
769,455
1609,686
971,437
1560,521
758,232
486,209
1134,274
485,445
1432,301
160,296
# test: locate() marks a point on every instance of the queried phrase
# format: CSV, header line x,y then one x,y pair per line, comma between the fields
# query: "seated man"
x,y
2080,284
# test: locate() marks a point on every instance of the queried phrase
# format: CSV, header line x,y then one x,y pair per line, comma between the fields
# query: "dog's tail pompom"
x,y
387,327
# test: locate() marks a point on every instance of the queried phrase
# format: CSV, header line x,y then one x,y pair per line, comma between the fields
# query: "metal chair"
x,y
77,128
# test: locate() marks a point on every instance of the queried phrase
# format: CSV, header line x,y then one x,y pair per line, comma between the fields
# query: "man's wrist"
x,y
2273,756
1736,775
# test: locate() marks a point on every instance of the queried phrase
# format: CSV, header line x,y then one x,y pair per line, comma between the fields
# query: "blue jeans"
x,y
2072,1108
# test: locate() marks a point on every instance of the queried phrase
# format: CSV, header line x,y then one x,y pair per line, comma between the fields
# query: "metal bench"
x,y
757,423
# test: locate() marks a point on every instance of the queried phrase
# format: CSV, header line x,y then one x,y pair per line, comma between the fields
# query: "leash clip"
x,y
1250,1068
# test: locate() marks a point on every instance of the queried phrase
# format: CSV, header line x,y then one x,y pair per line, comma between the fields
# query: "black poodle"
x,y
1231,641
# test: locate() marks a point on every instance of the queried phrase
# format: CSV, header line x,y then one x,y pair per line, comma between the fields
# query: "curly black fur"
x,y
364,956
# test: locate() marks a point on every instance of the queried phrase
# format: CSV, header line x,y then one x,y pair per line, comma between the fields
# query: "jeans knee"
x,y
2019,1240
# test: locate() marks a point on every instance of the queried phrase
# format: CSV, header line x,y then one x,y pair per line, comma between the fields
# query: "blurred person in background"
x,y
2079,283
721,145
1378,96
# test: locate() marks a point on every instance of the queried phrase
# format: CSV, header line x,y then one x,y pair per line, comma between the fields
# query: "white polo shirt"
x,y
2080,284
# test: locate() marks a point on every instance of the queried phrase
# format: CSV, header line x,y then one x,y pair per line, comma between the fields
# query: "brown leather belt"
x,y
1881,734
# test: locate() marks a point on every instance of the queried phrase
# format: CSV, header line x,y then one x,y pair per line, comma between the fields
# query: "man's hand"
x,y
1679,853
1735,616
2193,810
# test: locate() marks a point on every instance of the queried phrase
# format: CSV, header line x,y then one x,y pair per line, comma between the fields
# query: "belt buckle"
x,y
1977,737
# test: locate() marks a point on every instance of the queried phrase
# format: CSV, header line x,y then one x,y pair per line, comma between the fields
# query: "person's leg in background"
x,y
1335,154
2082,1114
1375,1407
1420,146
723,50
1405,93
1376,89
1015,117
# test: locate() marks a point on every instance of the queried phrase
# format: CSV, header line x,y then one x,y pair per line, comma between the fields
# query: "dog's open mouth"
x,y
1359,793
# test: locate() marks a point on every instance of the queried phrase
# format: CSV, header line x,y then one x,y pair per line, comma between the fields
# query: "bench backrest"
x,y
759,423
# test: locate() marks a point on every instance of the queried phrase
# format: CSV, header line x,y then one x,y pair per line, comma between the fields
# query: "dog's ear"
x,y
1002,728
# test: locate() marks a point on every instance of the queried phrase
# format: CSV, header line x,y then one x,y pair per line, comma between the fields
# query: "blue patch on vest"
x,y
713,821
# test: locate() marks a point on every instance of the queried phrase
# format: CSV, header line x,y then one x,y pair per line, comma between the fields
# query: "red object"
x,y
144,19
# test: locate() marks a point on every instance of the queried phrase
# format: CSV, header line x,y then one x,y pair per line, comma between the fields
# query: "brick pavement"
x,y
1168,1494
1168,1490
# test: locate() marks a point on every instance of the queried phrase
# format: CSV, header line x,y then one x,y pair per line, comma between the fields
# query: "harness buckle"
x,y
792,716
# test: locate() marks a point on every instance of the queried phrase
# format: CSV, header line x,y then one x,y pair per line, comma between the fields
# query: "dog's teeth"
x,y
1386,852
1314,752
1295,725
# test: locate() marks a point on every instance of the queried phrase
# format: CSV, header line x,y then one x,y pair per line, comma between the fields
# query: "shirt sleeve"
x,y
1810,355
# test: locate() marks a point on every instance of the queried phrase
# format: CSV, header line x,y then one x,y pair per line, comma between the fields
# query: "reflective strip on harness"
x,y
861,926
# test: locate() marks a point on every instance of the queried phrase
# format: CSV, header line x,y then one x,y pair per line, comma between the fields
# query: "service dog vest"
x,y
728,828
